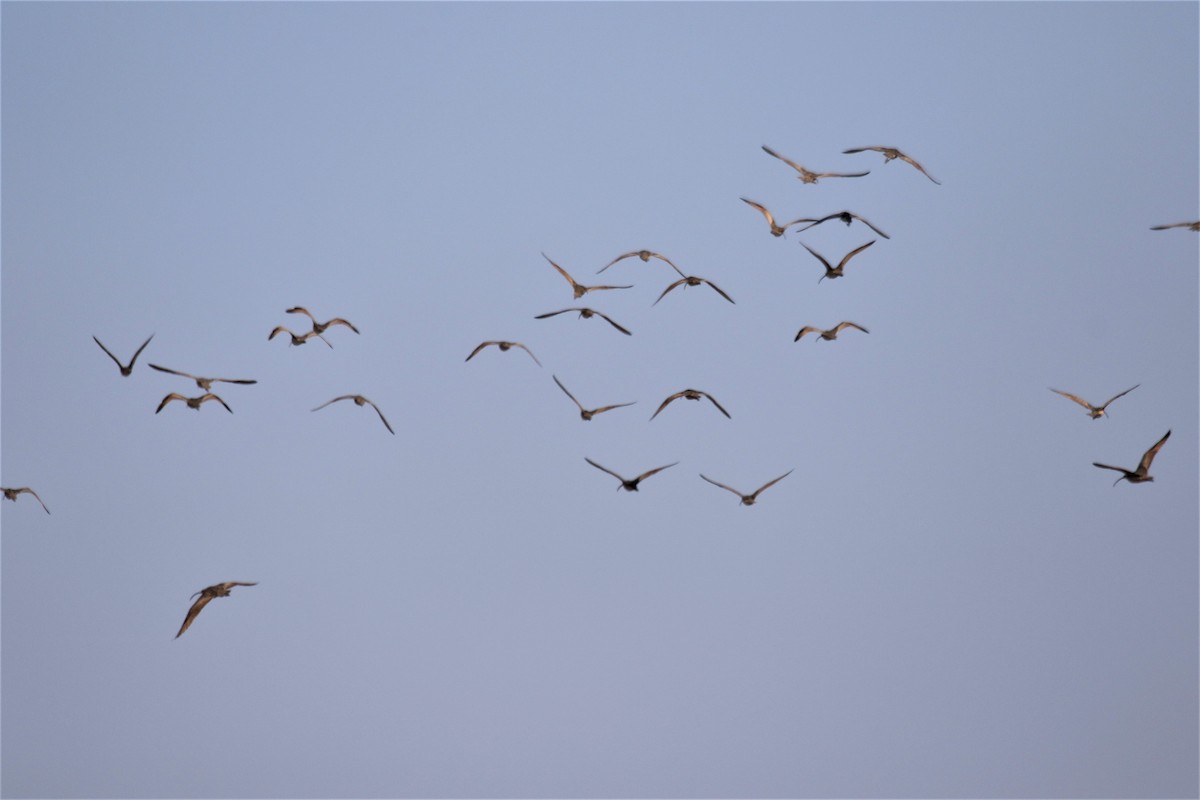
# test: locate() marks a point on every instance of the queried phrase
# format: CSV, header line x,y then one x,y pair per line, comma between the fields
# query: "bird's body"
x,y
206,595
836,272
628,484
203,383
586,313
692,280
830,334
587,413
846,217
691,394
504,347
579,289
1191,226
889,153
126,369
360,401
297,339
319,327
644,255
1142,473
192,402
11,494
776,229
748,499
1095,412
808,176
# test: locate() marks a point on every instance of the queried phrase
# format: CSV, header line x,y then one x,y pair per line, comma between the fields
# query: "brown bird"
x,y
297,340
812,177
206,595
11,494
748,499
644,255
836,272
1142,473
192,402
628,484
846,217
319,327
504,346
579,289
359,400
776,230
889,153
585,313
1191,226
692,280
690,394
584,413
125,370
1095,412
830,334
203,383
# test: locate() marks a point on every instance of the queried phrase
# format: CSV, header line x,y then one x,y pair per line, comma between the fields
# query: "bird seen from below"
x,y
585,413
644,255
192,402
889,153
807,176
504,347
629,484
1142,473
776,229
206,595
830,334
203,383
125,369
586,313
360,401
319,327
1095,412
836,272
691,394
846,217
297,339
692,280
748,499
579,289
11,494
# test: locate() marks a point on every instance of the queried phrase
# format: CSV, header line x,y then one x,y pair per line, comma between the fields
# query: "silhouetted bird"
x,y
1142,473
192,402
125,370
836,272
206,595
776,230
644,255
807,176
579,289
297,339
203,383
692,280
504,346
584,413
1095,412
690,394
846,217
830,334
748,499
359,400
319,327
585,313
889,153
628,484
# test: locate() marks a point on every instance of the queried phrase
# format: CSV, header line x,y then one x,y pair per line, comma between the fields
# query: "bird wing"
x,y
648,473
382,418
713,400
211,396
167,399
1074,397
343,397
301,310
863,149
560,385
866,222
476,350
820,257
669,288
604,469
609,320
174,371
602,409
1144,465
661,257
1106,466
843,325
769,484
243,381
196,608
762,210
35,494
561,271
615,260
554,313
846,259
913,161
785,160
843,174
1115,396
106,350
1195,226
278,330
804,330
598,288
666,402
133,360
231,584
723,486
340,321
717,289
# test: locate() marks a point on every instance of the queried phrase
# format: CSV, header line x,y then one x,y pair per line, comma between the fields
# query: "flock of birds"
x,y
1140,474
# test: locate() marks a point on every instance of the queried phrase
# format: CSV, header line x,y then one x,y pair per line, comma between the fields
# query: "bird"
x,y
1095,412
359,400
125,370
846,217
776,230
1191,226
319,327
691,394
1142,473
586,313
585,413
830,334
748,499
628,484
192,402
889,153
11,494
812,177
644,255
692,280
297,340
504,346
836,272
207,594
203,383
579,288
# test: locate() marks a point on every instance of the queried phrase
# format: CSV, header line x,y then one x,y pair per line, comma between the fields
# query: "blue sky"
x,y
945,598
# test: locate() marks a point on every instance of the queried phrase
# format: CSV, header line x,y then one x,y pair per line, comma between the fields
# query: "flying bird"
x,y
125,370
691,394
203,383
11,494
1191,226
579,289
585,413
504,346
192,402
889,153
585,313
836,272
748,499
846,217
297,340
644,255
206,595
628,484
319,327
1095,412
359,400
808,176
776,230
692,280
1142,473
830,334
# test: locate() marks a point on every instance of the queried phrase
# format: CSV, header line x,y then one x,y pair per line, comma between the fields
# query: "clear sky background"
x,y
944,599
